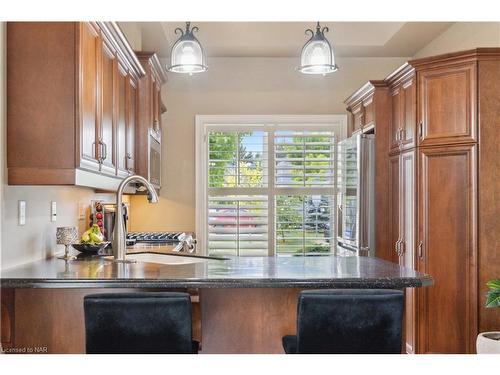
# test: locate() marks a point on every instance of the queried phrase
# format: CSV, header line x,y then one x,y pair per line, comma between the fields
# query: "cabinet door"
x,y
409,114
369,114
447,105
394,198
407,235
108,117
396,119
131,124
357,117
447,249
89,131
121,123
156,97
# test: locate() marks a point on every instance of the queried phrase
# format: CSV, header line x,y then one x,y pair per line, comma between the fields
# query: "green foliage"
x,y
312,150
224,149
493,296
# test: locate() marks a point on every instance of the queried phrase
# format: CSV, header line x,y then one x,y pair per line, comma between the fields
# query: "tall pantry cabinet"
x,y
443,176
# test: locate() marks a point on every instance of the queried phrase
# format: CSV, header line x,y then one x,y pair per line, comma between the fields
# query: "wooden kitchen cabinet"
x,y
121,120
438,183
409,112
90,44
132,98
149,130
370,109
107,124
407,237
67,113
447,103
403,93
394,202
402,213
447,248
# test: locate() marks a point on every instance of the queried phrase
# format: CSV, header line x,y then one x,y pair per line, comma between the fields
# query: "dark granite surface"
x,y
245,272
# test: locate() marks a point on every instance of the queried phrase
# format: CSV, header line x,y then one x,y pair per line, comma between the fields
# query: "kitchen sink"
x,y
165,258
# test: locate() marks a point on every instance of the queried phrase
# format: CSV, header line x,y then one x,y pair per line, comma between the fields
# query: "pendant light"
x,y
317,54
187,55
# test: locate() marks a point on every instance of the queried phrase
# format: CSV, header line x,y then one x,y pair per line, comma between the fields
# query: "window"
x,y
266,184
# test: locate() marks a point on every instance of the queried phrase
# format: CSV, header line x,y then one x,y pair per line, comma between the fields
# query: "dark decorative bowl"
x,y
90,249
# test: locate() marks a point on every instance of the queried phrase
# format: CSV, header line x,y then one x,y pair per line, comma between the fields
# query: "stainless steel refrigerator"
x,y
355,196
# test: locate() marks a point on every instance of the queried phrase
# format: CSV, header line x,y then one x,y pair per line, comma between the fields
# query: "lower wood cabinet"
x,y
402,227
447,248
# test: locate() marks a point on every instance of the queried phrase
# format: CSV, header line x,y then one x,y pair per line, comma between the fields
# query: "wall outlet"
x,y
53,211
21,212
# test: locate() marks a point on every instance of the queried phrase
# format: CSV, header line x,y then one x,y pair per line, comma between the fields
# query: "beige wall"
x,y
36,239
463,35
238,86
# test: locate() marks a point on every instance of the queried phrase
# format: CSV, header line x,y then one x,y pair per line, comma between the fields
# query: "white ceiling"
x,y
285,39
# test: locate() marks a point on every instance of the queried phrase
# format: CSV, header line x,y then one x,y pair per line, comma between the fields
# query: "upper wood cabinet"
x,y
362,107
149,128
402,85
106,125
68,111
132,113
90,109
447,103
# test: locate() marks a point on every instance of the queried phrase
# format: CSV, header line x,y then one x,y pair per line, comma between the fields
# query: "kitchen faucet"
x,y
119,242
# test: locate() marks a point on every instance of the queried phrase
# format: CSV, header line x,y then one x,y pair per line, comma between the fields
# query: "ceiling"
x,y
285,39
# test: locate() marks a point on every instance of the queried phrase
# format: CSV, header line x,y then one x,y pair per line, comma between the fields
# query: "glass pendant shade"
x,y
317,54
187,54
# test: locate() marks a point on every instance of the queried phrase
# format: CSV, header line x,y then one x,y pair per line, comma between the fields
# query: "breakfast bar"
x,y
240,305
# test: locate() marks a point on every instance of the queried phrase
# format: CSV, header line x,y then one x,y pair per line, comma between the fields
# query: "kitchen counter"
x,y
245,272
240,305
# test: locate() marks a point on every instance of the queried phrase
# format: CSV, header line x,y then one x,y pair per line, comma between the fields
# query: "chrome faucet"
x,y
119,242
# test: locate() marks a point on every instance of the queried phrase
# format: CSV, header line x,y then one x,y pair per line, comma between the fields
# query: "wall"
x,y
36,239
461,36
238,86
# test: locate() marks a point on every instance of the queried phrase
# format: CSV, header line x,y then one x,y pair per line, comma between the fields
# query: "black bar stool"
x,y
140,323
347,321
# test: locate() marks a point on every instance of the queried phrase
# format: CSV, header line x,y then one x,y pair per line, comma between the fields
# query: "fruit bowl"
x,y
90,249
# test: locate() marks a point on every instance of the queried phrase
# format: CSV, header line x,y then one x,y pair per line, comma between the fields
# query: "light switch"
x,y
21,212
53,211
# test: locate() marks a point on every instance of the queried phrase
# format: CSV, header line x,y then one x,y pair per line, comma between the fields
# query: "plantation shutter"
x,y
270,191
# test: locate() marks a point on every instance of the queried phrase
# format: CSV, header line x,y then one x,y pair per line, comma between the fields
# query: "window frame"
x,y
205,123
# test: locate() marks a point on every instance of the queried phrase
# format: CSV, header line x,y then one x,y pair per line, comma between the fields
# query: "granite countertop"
x,y
245,272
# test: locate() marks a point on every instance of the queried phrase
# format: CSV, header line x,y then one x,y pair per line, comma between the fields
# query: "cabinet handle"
x,y
104,150
420,126
397,136
401,134
420,250
397,246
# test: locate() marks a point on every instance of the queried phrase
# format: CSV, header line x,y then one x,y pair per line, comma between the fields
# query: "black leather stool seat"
x,y
347,321
139,323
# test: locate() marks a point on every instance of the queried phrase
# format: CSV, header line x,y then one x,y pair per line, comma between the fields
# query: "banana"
x,y
92,236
